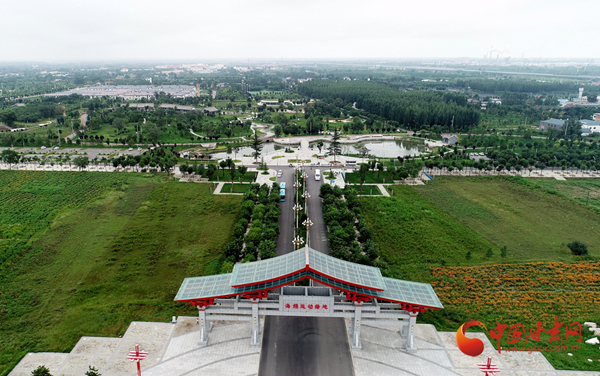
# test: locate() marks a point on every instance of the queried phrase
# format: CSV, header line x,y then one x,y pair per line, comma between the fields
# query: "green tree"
x,y
362,173
92,371
578,248
320,145
223,164
41,371
379,168
8,117
334,148
81,162
119,124
278,130
232,172
256,146
243,170
10,157
266,249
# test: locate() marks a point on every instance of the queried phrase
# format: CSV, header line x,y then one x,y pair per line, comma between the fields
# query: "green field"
x,y
534,225
583,191
87,253
425,232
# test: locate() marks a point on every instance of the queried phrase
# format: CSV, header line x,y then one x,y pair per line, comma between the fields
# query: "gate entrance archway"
x,y
366,296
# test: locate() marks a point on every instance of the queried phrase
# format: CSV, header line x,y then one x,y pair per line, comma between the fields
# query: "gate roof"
x,y
304,263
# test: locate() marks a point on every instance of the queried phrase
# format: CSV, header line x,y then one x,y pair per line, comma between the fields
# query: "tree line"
x,y
260,210
411,109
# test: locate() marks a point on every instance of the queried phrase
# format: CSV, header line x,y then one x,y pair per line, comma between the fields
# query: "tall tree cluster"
x,y
412,109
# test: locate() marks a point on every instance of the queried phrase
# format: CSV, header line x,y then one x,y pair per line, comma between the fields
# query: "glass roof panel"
x,y
274,268
205,287
354,274
415,293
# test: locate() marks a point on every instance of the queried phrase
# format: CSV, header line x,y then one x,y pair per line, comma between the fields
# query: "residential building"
x,y
449,138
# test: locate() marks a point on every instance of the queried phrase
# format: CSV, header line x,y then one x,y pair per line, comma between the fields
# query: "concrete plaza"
x,y
173,351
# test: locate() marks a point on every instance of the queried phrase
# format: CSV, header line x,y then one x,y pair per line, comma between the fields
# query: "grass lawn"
x,y
534,225
425,232
372,190
249,177
87,253
237,188
583,191
373,177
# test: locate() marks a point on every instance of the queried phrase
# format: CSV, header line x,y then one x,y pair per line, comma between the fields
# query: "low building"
x,y
177,107
449,138
556,124
140,106
211,110
591,126
596,117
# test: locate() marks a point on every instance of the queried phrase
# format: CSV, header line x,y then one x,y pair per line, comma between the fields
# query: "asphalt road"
x,y
298,346
305,346
317,235
286,219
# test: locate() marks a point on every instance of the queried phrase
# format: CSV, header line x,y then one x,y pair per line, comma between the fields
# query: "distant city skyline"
x,y
186,30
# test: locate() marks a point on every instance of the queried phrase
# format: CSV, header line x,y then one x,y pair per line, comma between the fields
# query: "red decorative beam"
x,y
257,295
202,303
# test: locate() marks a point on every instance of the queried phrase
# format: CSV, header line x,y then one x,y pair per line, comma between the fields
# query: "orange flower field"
x,y
521,293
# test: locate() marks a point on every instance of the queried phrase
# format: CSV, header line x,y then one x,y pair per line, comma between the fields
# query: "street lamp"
x,y
297,208
298,241
306,196
307,222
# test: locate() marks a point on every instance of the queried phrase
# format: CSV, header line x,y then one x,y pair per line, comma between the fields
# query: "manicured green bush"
x,y
578,248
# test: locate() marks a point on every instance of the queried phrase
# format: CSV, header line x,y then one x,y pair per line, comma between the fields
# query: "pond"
x,y
381,149
268,148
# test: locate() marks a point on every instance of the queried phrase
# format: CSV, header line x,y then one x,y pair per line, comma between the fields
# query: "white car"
x,y
43,147
130,149
56,148
279,173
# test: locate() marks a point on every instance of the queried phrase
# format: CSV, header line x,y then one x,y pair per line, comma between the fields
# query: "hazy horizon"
x,y
67,31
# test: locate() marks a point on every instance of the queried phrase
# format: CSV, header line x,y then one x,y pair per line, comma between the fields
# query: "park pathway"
x,y
383,190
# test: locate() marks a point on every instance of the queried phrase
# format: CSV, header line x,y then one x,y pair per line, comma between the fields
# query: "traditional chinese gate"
x,y
367,296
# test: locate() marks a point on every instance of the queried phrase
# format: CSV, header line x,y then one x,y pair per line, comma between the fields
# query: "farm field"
x,y
425,232
103,250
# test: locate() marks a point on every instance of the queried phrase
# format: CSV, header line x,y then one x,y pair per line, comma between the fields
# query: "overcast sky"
x,y
76,30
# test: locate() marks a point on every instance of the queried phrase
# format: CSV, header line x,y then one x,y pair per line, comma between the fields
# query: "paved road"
x,y
286,219
305,346
317,235
298,346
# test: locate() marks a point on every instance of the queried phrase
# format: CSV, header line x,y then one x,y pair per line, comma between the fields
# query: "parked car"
x,y
279,173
